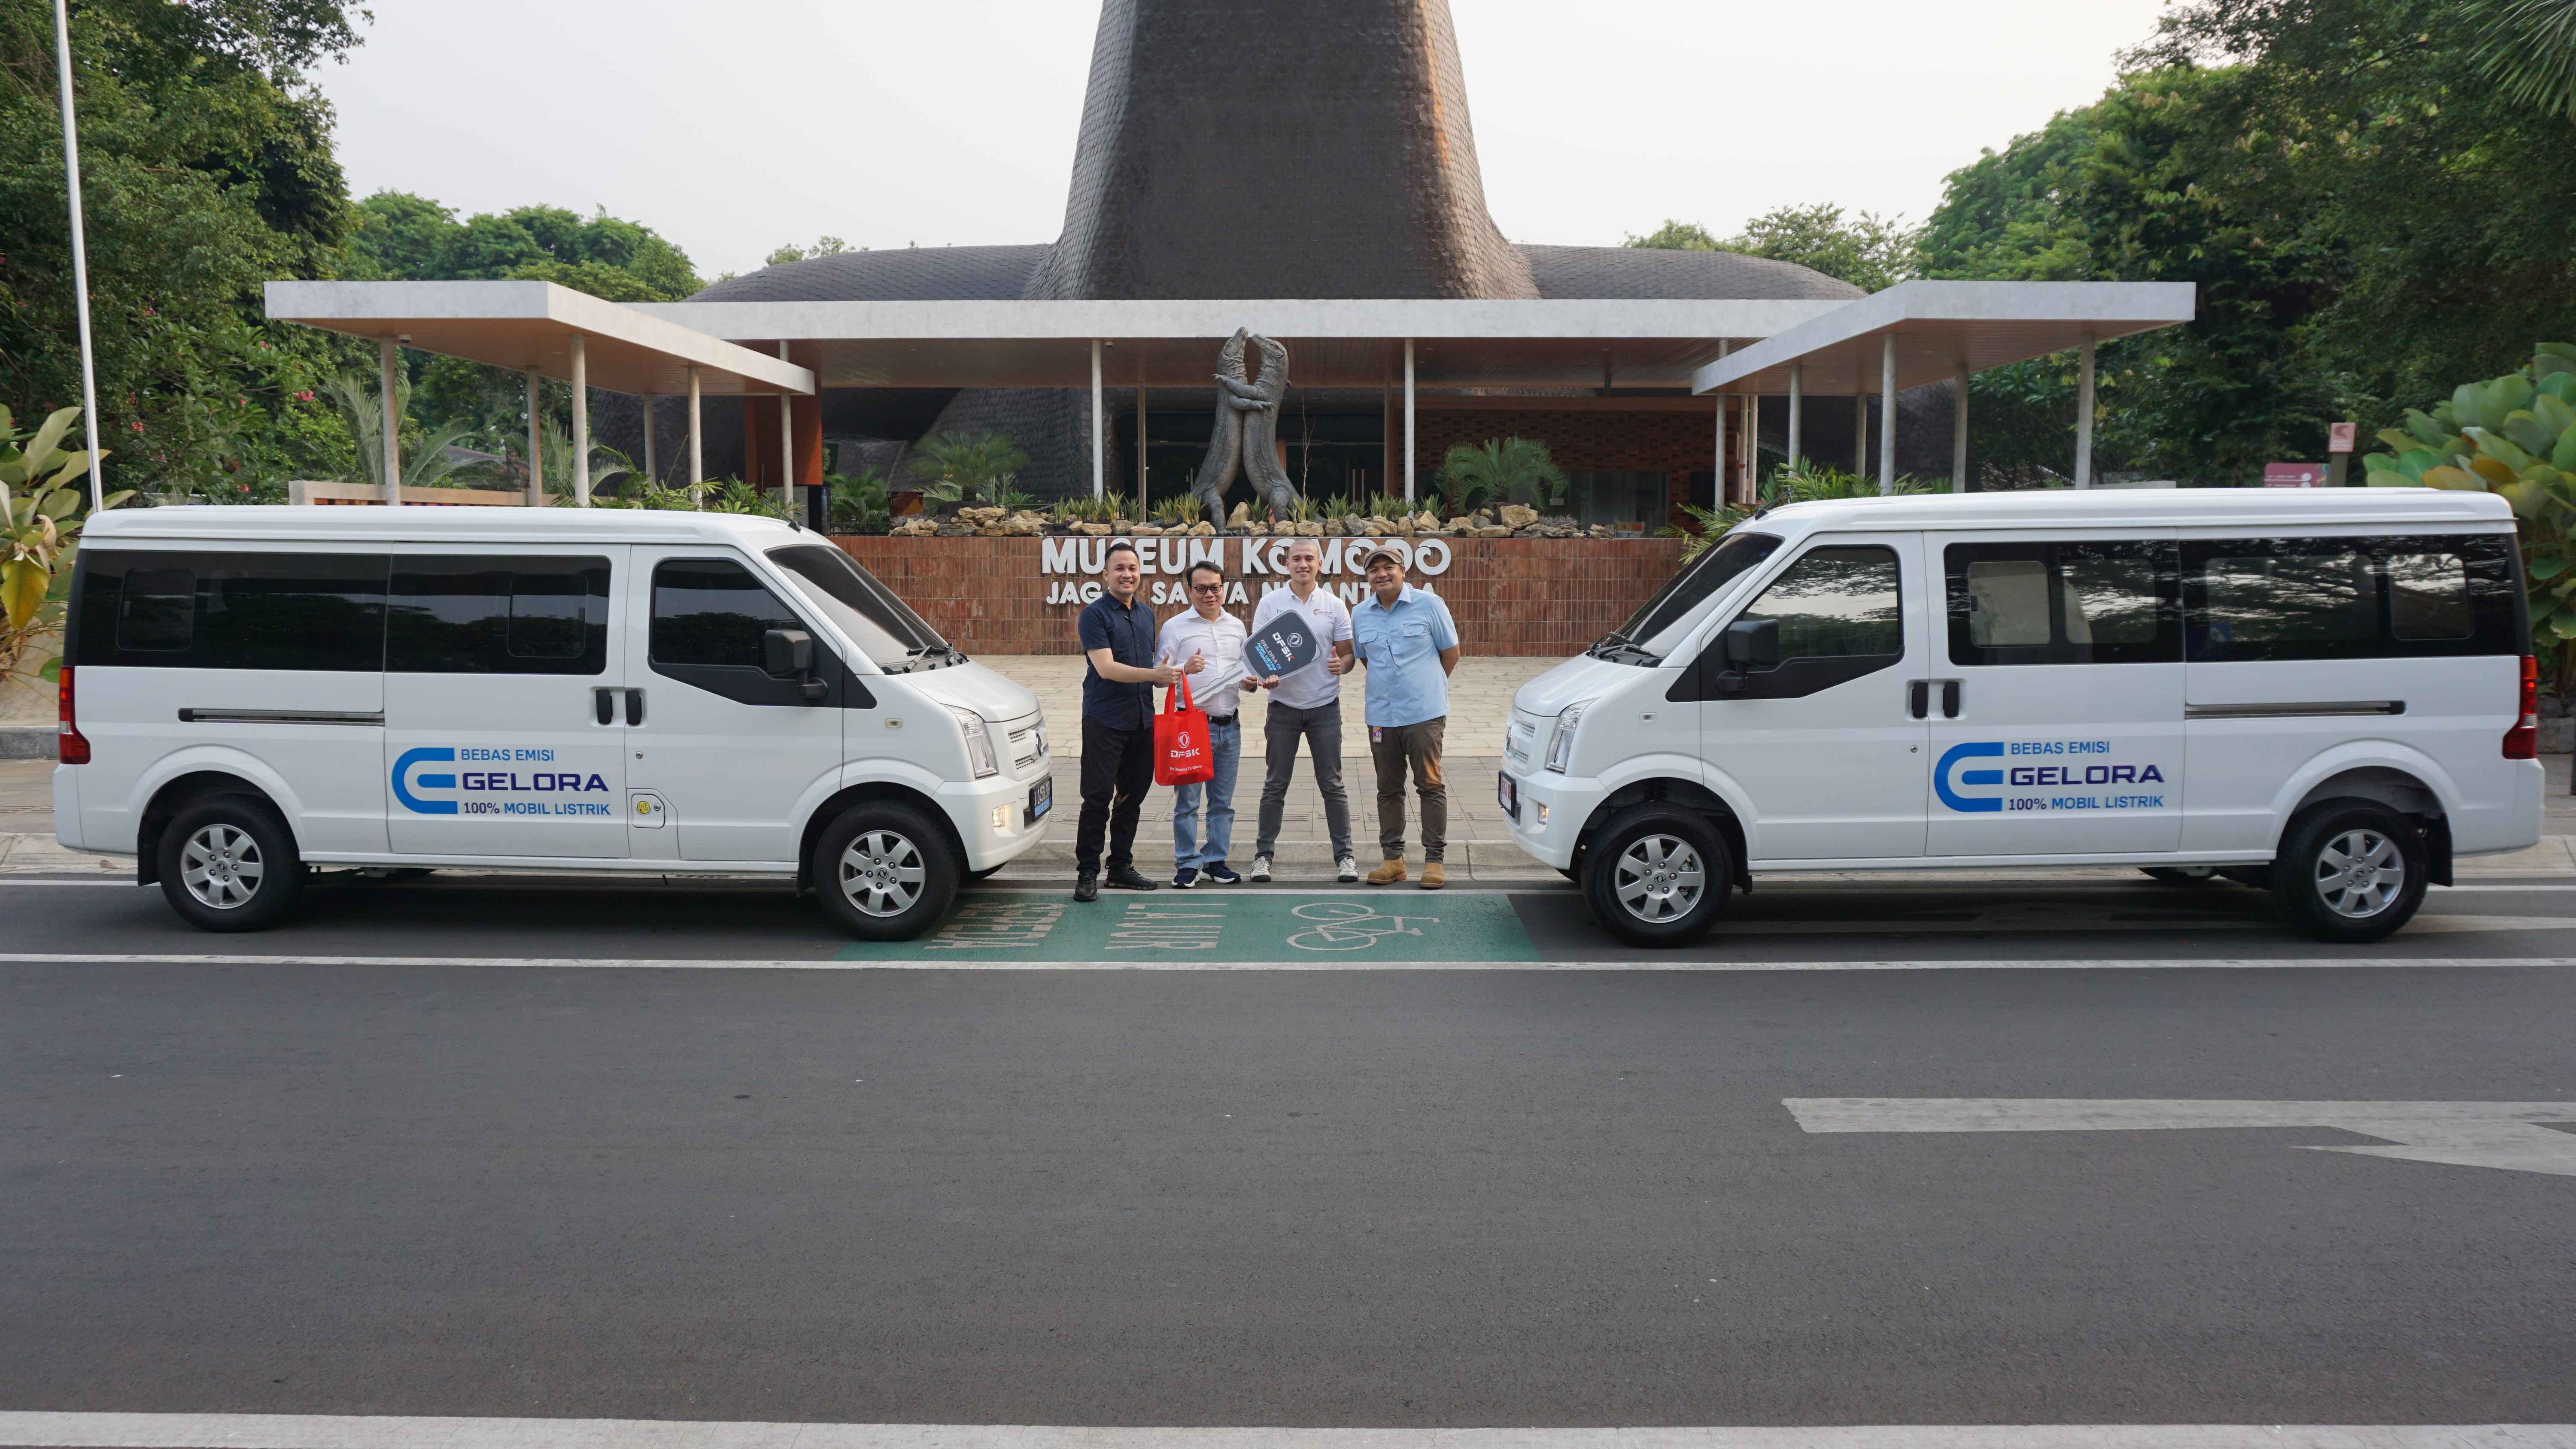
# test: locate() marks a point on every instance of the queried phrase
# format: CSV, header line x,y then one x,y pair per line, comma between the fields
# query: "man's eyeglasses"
x,y
1206,588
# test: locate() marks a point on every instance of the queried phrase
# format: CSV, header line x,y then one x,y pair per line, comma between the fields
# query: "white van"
x,y
2325,692
251,691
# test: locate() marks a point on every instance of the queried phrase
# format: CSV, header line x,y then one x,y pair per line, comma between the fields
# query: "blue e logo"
x,y
1971,804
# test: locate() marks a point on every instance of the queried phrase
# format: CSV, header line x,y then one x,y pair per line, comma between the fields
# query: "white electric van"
x,y
252,691
2325,692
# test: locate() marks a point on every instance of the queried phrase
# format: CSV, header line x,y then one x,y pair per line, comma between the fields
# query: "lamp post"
x,y
80,250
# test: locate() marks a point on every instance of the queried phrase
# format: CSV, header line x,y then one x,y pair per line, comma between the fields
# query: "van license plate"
x,y
1041,799
1507,796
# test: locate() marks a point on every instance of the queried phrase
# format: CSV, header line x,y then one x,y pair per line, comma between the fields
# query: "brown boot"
x,y
1387,874
1434,876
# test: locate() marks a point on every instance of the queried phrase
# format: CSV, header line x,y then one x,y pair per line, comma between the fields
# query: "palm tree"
x,y
1502,470
362,409
966,467
2528,49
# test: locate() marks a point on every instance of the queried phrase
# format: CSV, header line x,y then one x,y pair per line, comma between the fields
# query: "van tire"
x,y
1641,842
901,874
222,841
2310,880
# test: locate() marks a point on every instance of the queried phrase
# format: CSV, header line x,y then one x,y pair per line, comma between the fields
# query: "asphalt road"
x,y
973,1191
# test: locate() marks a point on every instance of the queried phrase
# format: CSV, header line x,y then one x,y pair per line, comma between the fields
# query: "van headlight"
x,y
1561,748
979,742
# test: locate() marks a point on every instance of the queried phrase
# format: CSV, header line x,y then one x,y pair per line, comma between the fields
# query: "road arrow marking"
x,y
2505,1135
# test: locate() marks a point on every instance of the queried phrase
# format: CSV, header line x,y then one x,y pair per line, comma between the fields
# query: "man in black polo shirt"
x,y
1117,724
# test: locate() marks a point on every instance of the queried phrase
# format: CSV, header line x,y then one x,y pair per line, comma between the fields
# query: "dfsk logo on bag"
x,y
1181,754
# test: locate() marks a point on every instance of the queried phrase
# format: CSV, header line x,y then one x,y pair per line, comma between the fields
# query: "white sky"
x,y
731,126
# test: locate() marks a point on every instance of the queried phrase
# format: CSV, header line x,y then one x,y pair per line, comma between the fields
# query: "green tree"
x,y
1499,470
1869,251
830,246
2528,49
207,170
967,468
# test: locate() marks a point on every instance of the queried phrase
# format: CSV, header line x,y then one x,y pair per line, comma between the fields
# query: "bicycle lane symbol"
x,y
1350,926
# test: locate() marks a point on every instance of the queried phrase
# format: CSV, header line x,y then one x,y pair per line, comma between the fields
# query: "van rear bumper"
x,y
2514,823
67,815
992,818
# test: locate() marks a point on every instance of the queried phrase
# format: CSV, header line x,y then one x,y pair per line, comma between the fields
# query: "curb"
x,y
27,742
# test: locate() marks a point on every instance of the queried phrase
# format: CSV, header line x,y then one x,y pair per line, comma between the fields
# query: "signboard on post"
x,y
2339,437
2293,475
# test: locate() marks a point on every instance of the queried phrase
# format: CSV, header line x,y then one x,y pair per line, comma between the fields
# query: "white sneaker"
x,y
1261,867
1350,869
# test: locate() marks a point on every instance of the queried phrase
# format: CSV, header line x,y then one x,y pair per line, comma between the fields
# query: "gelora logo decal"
x,y
1971,804
2041,775
488,784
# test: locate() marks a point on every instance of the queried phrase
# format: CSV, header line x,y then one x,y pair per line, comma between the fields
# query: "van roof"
x,y
357,524
2151,508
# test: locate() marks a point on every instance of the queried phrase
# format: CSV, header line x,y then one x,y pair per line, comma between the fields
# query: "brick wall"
x,y
1520,596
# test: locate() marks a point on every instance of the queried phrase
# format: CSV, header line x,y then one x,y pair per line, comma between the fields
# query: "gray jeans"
x,y
1321,729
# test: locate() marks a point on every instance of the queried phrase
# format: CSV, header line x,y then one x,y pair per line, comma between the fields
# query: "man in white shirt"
x,y
1208,635
1307,705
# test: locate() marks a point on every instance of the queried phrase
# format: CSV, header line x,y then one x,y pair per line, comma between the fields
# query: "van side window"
x,y
712,611
1835,603
2276,599
2063,602
206,610
497,614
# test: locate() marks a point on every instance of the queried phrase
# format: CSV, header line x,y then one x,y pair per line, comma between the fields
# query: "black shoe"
x,y
1220,874
1125,878
1086,887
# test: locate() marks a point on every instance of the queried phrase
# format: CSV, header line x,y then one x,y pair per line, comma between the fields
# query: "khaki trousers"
x,y
1394,749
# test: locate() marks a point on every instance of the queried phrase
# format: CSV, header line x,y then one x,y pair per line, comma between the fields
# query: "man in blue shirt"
x,y
1117,724
1410,644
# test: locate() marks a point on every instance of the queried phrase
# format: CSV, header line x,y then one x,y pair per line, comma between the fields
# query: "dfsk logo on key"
x,y
2089,769
487,783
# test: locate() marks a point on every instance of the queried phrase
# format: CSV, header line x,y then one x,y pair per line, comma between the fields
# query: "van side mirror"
x,y
787,651
1753,644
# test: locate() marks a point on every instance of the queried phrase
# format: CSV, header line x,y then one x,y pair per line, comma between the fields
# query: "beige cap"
x,y
1382,550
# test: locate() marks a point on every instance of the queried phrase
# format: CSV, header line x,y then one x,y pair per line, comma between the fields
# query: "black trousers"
x,y
1117,770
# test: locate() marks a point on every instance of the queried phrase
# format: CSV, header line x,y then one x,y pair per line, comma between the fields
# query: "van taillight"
x,y
2522,742
69,747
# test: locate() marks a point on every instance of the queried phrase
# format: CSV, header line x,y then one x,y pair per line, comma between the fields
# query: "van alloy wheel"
x,y
882,873
2359,872
222,866
1659,878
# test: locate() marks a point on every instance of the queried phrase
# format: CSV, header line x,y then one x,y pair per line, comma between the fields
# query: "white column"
x,y
389,454
1720,495
536,423
649,474
1797,397
1751,472
580,423
1887,416
1099,412
786,444
1408,420
1860,422
697,454
1959,431
2084,416
1140,447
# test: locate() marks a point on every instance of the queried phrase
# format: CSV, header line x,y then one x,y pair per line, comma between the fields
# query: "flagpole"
x,y
80,250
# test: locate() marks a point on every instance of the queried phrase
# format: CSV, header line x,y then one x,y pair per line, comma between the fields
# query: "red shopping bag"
x,y
1181,754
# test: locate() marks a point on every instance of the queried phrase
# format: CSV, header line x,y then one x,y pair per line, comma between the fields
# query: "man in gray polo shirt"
x,y
1306,705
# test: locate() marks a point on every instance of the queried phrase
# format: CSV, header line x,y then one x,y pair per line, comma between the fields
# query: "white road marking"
x,y
1314,963
2463,1134
330,1431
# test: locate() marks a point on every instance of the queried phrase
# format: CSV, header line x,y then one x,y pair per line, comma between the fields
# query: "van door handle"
x,y
634,706
1949,699
1918,697
604,705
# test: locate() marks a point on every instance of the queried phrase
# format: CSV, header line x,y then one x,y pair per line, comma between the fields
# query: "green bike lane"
x,y
1043,926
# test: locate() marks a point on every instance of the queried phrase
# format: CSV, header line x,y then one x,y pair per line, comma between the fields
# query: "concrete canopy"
x,y
1616,344
1942,327
520,325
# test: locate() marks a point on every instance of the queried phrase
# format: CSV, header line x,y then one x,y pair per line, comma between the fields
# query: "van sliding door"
x,y
2057,702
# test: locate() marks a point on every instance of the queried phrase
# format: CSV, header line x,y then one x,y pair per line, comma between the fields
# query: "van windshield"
x,y
885,627
1643,639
